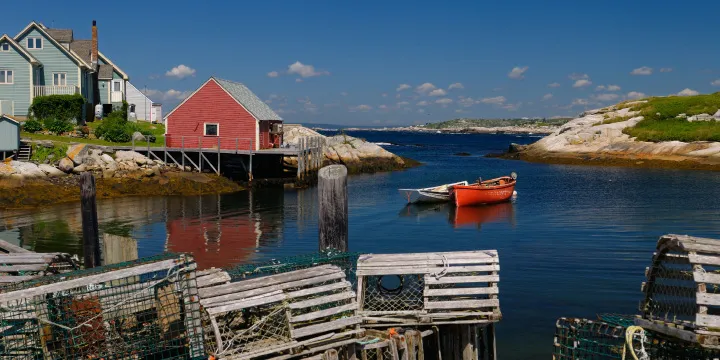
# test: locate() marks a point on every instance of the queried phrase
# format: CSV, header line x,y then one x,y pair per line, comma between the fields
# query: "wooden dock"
x,y
221,155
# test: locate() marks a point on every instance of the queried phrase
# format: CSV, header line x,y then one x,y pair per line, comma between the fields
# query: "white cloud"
x,y
181,71
580,102
344,93
460,111
636,95
438,92
688,92
547,96
554,85
578,76
171,94
285,111
425,88
402,103
298,80
382,107
642,71
422,103
467,102
361,108
497,100
384,95
420,110
715,83
456,86
305,71
607,97
511,107
402,87
666,69
582,83
613,88
518,72
273,74
444,101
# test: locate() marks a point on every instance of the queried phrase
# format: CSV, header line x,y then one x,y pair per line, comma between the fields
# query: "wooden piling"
x,y
333,202
88,205
117,249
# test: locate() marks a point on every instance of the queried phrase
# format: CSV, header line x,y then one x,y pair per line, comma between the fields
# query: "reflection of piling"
x,y
117,249
333,202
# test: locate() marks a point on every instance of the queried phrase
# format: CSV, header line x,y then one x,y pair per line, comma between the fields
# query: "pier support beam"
x,y
333,200
88,206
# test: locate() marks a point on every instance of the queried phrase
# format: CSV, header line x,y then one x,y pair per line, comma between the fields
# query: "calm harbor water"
x,y
574,243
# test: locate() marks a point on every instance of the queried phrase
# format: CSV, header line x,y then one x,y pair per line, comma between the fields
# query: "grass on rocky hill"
x,y
156,129
467,123
660,121
616,119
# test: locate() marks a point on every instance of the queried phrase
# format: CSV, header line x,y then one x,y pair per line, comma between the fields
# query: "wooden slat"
x,y
92,279
319,289
324,313
460,291
322,300
710,278
325,327
483,254
30,259
461,304
704,259
708,299
30,267
406,270
431,280
12,279
245,304
209,297
427,262
12,248
214,278
711,321
271,280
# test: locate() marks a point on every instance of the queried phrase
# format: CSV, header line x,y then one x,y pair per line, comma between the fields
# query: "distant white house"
x,y
145,108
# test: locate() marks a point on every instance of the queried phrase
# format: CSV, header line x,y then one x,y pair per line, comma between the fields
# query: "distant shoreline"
x,y
456,130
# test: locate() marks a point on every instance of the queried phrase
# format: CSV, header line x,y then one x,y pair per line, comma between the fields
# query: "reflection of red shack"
x,y
216,242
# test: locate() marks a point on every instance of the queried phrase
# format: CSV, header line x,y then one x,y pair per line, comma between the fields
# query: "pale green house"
x,y
41,61
9,135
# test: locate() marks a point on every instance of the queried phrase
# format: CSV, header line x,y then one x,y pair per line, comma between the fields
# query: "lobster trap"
x,y
429,288
147,308
22,266
682,291
289,314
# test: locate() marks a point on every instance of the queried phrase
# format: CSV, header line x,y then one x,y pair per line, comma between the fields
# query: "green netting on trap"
x,y
591,339
144,309
345,260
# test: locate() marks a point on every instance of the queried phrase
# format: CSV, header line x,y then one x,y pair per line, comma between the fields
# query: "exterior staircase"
x,y
24,152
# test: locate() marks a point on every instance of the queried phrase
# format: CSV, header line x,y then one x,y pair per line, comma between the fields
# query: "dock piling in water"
x,y
333,202
91,239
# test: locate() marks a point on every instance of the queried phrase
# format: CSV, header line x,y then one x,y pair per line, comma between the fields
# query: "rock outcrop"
x,y
598,135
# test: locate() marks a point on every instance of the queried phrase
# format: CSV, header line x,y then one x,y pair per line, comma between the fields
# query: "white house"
x,y
145,108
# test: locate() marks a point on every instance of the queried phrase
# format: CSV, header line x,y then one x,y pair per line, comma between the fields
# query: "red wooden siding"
x,y
211,104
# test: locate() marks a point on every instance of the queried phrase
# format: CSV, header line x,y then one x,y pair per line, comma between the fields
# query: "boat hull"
x,y
435,194
479,194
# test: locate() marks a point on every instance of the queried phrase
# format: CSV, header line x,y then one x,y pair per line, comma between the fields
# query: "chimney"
x,y
94,50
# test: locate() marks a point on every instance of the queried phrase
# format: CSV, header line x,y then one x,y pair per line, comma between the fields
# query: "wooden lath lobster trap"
x,y
429,288
26,265
682,291
289,314
140,309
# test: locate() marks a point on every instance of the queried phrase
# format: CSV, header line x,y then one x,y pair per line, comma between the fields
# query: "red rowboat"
x,y
485,192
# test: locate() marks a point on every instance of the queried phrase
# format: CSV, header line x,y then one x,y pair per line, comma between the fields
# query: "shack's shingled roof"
x,y
61,35
105,72
247,98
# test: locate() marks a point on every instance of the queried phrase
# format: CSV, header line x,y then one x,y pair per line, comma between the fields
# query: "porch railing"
x,y
55,90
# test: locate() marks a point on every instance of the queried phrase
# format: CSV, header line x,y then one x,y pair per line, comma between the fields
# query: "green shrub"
x,y
61,107
58,126
114,128
32,126
41,153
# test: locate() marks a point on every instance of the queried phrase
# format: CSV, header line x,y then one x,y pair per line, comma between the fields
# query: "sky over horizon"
x,y
376,63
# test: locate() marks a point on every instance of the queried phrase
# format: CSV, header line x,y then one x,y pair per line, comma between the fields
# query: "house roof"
x,y
61,35
43,30
105,72
20,49
105,59
82,48
12,119
248,99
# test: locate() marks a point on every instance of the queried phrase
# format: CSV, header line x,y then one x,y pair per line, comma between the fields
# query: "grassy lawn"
x,y
156,129
661,124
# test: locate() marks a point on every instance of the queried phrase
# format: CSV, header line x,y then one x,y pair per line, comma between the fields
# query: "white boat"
x,y
431,194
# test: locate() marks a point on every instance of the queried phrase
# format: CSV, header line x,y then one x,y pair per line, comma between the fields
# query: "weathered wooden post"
x,y
117,249
91,240
333,200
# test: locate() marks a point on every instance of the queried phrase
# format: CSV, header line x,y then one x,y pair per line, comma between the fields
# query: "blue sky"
x,y
395,62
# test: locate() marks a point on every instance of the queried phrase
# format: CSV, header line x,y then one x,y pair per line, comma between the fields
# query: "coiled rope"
x,y
630,333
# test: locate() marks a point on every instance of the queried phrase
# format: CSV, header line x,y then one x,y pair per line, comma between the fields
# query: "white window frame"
x,y
4,45
59,83
5,77
205,129
35,41
116,81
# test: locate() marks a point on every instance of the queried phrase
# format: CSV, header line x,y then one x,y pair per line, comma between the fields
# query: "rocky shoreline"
x,y
463,130
597,138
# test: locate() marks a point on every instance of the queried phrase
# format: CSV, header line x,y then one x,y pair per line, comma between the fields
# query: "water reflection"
x,y
462,216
